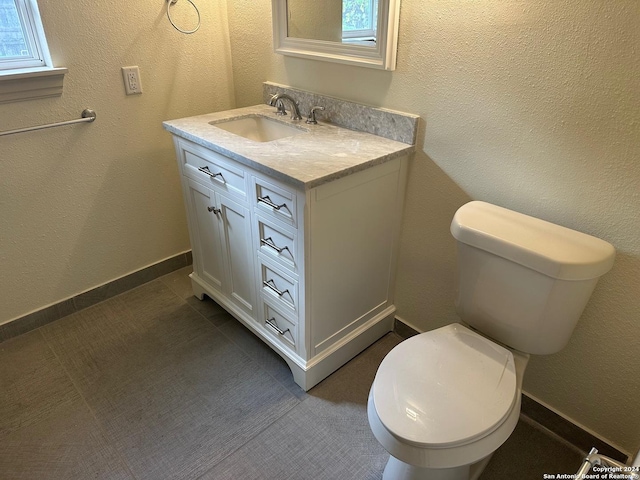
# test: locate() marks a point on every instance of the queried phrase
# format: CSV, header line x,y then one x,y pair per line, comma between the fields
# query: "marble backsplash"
x,y
398,126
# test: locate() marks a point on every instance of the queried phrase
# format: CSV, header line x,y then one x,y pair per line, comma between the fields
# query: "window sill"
x,y
30,83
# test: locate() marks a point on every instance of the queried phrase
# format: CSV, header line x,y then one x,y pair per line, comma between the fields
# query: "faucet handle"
x,y
311,119
280,107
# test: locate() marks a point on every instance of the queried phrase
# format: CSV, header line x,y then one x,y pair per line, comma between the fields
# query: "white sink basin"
x,y
258,128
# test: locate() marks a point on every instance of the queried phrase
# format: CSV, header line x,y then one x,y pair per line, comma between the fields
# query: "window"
x,y
359,19
26,70
21,45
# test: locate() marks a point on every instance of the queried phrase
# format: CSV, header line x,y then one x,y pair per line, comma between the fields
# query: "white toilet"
x,y
443,401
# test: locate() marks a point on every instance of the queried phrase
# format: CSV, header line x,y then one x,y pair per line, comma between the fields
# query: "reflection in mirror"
x,y
357,32
347,21
315,20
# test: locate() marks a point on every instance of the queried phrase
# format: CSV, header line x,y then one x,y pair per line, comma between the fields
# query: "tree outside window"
x,y
359,18
22,42
12,42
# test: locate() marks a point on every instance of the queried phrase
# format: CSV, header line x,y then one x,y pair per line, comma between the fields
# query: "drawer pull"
x,y
268,284
269,243
214,210
268,201
272,323
206,170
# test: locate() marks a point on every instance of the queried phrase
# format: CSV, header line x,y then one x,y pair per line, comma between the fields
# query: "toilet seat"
x,y
445,388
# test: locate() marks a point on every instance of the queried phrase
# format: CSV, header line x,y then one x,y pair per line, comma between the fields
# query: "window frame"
x,y
35,77
33,35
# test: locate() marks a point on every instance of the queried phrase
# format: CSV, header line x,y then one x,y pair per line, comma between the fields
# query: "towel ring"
x,y
172,2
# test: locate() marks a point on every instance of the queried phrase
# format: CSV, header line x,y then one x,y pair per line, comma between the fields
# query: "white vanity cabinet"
x,y
219,224
311,271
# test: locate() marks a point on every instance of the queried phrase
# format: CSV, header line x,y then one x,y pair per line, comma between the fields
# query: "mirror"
x,y
356,32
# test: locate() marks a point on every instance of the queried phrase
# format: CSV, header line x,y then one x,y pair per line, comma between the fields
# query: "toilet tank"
x,y
524,281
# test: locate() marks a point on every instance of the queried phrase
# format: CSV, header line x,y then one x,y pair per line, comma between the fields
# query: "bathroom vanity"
x,y
296,235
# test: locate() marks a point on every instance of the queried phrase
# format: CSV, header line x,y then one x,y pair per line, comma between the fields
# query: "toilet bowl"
x,y
447,421
443,401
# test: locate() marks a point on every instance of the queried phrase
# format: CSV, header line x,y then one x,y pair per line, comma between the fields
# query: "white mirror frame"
x,y
382,56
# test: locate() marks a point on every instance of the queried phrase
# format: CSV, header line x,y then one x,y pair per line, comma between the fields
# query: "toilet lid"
x,y
445,388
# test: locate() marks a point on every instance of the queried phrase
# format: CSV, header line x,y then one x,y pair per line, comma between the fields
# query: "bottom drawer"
x,y
279,327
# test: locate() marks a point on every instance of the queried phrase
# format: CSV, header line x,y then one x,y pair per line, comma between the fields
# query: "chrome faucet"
x,y
277,101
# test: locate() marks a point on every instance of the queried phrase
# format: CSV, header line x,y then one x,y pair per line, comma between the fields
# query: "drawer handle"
x,y
269,243
268,284
272,323
214,210
268,201
206,170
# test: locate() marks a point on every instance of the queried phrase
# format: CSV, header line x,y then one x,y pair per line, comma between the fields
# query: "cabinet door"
x,y
206,223
238,254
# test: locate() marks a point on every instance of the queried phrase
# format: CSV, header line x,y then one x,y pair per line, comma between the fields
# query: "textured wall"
x,y
534,106
85,204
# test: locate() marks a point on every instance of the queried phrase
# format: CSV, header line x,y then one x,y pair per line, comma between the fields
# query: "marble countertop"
x,y
323,153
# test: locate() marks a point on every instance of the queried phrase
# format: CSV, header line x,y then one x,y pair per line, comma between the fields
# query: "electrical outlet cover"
x,y
132,80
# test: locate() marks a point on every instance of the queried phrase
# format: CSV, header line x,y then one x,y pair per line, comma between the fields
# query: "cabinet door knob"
x,y
214,210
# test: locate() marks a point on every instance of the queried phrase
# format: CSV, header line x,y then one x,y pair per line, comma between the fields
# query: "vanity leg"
x,y
198,291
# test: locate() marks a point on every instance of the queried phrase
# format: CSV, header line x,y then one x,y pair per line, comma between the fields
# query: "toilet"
x,y
443,401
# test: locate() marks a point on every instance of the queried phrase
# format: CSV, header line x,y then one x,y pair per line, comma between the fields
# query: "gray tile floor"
x,y
154,384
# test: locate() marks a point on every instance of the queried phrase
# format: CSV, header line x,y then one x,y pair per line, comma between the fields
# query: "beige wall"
x,y
85,204
531,105
315,20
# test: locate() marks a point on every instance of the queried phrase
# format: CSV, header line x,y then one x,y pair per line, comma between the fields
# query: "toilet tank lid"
x,y
551,249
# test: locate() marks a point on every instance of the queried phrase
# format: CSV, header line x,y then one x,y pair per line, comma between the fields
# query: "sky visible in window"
x,y
12,42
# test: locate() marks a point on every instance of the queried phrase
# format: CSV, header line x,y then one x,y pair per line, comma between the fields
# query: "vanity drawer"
x,y
279,327
213,169
275,201
279,287
277,243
